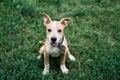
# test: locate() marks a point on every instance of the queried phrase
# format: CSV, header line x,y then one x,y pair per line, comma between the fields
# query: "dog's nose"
x,y
53,39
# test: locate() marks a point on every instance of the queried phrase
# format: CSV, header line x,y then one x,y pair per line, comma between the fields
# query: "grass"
x,y
93,35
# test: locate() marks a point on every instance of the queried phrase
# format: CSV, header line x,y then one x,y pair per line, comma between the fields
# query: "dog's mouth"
x,y
53,44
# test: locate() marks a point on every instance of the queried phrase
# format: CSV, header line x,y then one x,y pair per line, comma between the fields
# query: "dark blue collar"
x,y
60,43
60,46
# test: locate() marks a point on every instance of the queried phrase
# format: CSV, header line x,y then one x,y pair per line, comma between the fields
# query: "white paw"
x,y
64,69
46,70
39,57
71,57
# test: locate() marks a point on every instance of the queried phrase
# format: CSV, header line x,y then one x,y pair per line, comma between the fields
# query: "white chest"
x,y
53,51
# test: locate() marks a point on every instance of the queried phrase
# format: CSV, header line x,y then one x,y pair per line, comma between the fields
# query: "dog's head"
x,y
54,29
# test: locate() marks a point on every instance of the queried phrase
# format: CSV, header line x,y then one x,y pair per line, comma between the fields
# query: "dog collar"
x,y
60,46
61,40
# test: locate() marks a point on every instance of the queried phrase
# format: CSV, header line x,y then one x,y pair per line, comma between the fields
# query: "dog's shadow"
x,y
54,63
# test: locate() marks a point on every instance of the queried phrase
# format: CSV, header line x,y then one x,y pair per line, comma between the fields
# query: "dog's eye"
x,y
49,30
59,30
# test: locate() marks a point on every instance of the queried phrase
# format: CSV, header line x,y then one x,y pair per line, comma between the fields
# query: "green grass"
x,y
93,35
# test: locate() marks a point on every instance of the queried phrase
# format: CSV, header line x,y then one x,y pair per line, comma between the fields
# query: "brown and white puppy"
x,y
55,44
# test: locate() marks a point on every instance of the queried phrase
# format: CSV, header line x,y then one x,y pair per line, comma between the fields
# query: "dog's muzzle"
x,y
59,45
53,43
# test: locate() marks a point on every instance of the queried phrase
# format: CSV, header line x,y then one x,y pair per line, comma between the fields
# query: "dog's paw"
x,y
45,72
39,57
71,57
64,69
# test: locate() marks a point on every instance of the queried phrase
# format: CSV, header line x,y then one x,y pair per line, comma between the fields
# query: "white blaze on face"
x,y
54,32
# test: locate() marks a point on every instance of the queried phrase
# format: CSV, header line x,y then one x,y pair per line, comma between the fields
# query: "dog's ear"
x,y
46,18
64,21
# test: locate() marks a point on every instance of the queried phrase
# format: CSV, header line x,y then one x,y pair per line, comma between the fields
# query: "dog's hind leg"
x,y
41,51
71,57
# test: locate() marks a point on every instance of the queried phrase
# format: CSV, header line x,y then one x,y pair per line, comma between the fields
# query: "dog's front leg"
x,y
46,64
63,66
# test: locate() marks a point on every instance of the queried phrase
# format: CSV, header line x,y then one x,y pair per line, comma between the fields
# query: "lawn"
x,y
93,36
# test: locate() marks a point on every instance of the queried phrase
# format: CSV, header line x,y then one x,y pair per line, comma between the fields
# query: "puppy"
x,y
55,44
